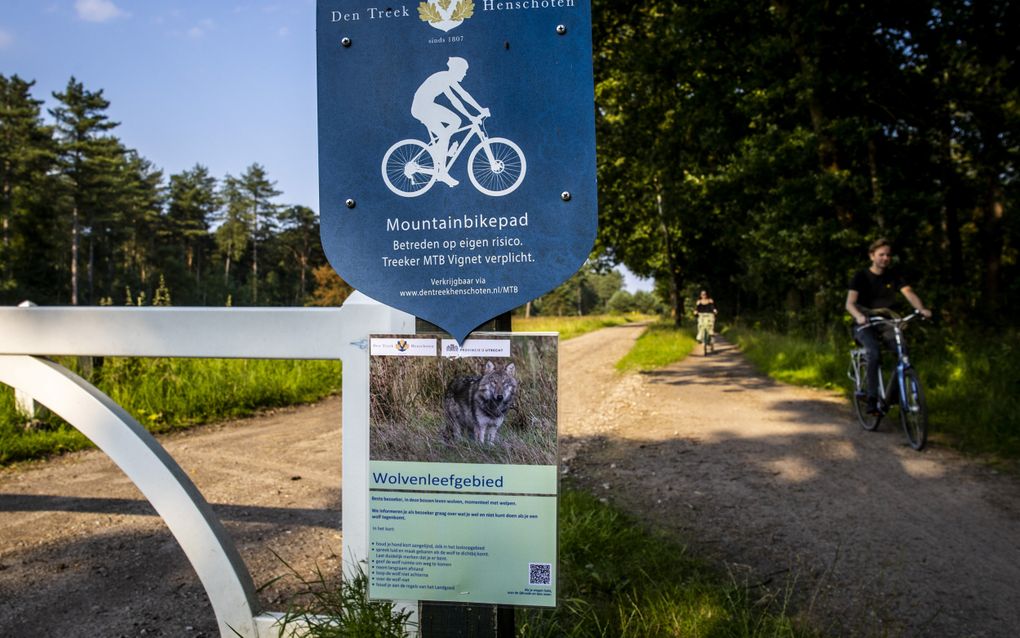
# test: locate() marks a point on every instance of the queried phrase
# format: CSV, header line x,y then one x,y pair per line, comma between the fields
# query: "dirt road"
x,y
779,482
776,482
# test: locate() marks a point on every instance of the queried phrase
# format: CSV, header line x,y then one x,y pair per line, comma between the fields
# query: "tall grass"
x,y
165,394
617,579
570,327
796,360
970,380
662,344
620,580
172,393
20,441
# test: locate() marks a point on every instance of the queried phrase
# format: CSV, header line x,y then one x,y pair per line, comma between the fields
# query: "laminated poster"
x,y
463,469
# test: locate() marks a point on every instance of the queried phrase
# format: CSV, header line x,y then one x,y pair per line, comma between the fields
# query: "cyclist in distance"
x,y
874,288
705,312
438,119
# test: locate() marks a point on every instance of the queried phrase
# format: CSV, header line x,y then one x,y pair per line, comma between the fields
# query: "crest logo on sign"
x,y
446,14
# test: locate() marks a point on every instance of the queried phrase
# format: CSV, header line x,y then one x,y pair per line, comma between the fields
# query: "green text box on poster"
x,y
457,539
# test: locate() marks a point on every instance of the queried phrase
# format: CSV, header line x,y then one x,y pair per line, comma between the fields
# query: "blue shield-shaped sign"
x,y
456,151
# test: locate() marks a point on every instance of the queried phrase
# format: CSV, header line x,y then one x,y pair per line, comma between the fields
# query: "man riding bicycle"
x,y
439,120
872,288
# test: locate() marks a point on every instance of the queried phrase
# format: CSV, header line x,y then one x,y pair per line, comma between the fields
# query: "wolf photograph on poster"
x,y
467,409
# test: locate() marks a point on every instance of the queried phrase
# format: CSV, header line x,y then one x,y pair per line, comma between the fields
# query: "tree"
x,y
588,291
666,88
26,155
330,289
232,233
758,146
300,240
193,202
86,157
135,224
251,196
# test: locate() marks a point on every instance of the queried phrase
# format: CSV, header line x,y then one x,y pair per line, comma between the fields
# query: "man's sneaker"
x,y
446,179
872,407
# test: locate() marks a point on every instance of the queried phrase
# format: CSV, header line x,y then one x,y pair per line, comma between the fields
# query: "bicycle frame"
x,y
474,128
902,361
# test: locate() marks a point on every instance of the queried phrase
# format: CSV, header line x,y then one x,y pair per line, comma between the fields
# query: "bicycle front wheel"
x,y
913,410
497,166
408,168
868,421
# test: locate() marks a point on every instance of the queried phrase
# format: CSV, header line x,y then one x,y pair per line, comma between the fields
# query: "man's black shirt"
x,y
877,291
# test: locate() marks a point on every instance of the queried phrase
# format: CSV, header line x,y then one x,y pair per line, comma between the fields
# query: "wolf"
x,y
477,405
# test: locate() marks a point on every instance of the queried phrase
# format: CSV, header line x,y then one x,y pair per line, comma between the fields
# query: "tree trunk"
x,y
7,211
75,241
255,259
675,278
876,184
992,243
90,267
302,277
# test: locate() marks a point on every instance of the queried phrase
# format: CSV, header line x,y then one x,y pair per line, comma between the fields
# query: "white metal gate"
x,y
29,333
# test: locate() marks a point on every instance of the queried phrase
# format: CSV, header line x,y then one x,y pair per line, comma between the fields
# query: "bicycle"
x,y
496,166
706,326
903,381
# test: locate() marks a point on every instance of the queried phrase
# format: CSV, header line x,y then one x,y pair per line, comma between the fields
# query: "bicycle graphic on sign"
x,y
496,165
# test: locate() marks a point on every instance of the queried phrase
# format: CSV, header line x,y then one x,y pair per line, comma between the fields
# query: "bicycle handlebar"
x,y
874,320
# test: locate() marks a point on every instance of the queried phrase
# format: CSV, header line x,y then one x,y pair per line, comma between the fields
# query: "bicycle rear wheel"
x,y
914,410
868,421
408,168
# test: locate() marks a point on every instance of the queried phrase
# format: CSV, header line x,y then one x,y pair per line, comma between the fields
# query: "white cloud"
x,y
6,39
97,10
199,30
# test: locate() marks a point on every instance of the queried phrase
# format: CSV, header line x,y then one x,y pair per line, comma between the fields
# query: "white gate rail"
x,y
251,333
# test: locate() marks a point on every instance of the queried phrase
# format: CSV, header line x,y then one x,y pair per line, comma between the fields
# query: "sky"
x,y
219,83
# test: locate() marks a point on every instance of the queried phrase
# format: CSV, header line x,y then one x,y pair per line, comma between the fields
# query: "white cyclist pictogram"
x,y
496,165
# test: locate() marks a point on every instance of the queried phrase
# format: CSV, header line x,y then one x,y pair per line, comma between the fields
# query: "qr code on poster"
x,y
539,573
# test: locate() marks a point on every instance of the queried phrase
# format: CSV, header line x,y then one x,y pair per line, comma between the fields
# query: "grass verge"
x,y
570,327
662,344
970,381
167,394
617,580
795,360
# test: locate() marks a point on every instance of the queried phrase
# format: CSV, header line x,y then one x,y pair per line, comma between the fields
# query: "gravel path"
x,y
870,538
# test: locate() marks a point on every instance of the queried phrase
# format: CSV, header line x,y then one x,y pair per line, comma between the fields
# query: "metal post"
x,y
24,403
437,620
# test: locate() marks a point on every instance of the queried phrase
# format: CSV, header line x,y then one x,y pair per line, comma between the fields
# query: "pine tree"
x,y
193,203
87,158
262,215
26,154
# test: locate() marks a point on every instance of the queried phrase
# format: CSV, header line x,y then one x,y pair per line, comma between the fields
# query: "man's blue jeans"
x,y
871,338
